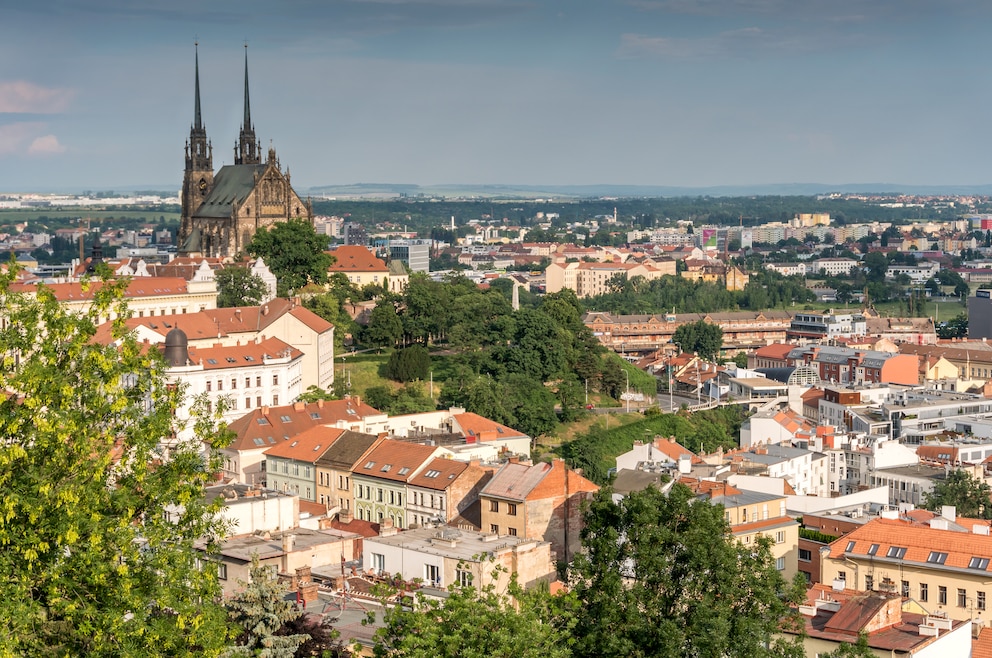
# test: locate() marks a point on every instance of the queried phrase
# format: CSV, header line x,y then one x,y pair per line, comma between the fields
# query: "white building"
x,y
234,379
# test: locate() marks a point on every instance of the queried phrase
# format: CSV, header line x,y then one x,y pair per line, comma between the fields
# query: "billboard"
x,y
709,238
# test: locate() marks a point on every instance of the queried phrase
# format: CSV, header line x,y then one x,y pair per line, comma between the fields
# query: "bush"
x,y
408,364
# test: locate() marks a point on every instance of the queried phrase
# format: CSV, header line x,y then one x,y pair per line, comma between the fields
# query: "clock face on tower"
x,y
202,185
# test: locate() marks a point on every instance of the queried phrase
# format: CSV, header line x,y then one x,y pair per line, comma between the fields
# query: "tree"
x,y
98,529
968,494
474,623
740,359
239,286
661,575
859,649
260,609
385,327
701,337
408,364
294,252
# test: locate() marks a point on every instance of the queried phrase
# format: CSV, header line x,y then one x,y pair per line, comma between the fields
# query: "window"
x,y
511,509
780,563
942,595
234,383
780,537
378,495
805,555
258,381
275,400
210,386
512,532
898,552
222,571
220,385
962,598
493,505
378,562
247,403
247,382
850,546
258,400
463,578
924,592
432,574
493,528
978,563
873,549
905,588
842,575
936,557
869,583
980,601
275,379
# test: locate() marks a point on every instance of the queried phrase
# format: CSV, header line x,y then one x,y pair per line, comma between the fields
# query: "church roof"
x,y
232,185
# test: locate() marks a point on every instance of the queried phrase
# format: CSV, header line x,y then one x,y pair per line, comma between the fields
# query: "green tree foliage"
x,y
409,399
239,286
859,649
700,337
385,327
595,451
97,530
408,364
740,359
260,610
294,252
956,327
473,623
968,494
661,575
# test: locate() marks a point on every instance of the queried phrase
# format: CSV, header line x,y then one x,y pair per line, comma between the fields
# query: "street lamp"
x,y
627,394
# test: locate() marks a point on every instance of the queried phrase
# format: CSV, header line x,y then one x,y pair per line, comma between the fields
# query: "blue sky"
x,y
98,94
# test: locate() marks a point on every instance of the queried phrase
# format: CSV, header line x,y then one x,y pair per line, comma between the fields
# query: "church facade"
x,y
222,211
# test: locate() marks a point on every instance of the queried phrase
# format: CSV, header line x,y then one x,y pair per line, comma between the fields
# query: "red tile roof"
x,y
240,356
144,286
919,541
306,446
438,474
398,461
355,258
265,426
479,428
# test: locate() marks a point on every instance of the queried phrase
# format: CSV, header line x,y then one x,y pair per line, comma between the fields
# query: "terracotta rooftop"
x,y
240,356
438,474
479,428
398,461
774,351
356,258
265,426
137,287
520,482
307,446
959,549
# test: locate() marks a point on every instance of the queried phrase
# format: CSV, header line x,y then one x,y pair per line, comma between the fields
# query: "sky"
x,y
98,94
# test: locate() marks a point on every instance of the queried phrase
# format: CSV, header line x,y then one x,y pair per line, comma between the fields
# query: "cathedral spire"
x,y
198,152
197,121
247,125
246,151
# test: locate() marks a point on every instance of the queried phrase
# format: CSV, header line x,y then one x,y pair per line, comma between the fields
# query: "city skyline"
x,y
97,94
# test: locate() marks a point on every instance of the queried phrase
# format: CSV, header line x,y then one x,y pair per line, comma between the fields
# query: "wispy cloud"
x,y
46,145
732,42
28,138
22,97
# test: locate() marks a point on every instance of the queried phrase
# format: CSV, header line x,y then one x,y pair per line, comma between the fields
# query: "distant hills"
x,y
389,190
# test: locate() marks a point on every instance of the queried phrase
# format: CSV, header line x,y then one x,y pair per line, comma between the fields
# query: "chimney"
x,y
320,404
949,512
288,542
344,516
386,528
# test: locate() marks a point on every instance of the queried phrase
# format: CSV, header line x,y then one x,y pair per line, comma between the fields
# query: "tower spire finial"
x,y
247,104
247,151
197,121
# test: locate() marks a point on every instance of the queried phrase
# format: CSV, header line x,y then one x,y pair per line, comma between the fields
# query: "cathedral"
x,y
221,211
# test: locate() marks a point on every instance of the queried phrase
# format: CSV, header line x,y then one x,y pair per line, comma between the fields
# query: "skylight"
x,y
978,563
936,557
248,357
285,419
314,415
896,552
404,471
432,473
872,549
262,421
212,362
385,468
850,546
370,464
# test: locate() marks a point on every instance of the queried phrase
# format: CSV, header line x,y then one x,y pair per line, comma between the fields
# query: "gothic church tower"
x,y
248,150
198,178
